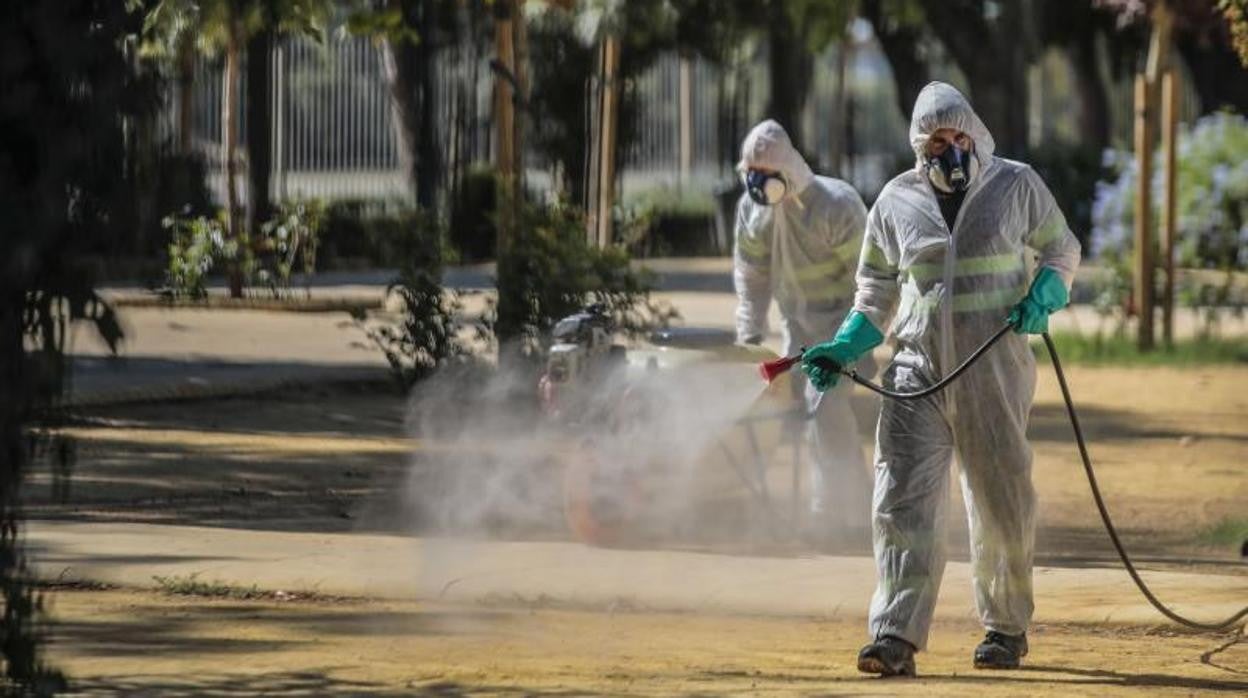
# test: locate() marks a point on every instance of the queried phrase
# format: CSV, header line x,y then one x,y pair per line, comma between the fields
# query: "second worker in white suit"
x,y
797,239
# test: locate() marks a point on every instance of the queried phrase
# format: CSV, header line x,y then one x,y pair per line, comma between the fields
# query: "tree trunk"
x,y
397,64
427,152
789,67
186,93
229,105
838,133
1213,67
994,56
408,67
1093,102
259,127
900,44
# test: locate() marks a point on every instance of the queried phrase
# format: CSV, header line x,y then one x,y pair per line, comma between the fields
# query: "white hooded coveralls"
x,y
954,289
802,251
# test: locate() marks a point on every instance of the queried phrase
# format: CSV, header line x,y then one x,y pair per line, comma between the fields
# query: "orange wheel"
x,y
601,505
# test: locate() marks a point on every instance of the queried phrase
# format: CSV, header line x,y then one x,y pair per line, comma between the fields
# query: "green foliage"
x,y
72,89
1211,210
473,234
550,271
1118,349
561,63
195,246
291,239
198,244
667,222
428,334
1071,173
213,24
1228,531
1235,12
192,585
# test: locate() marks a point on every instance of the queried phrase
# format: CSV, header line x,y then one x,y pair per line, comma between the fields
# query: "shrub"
x,y
550,271
473,233
198,245
195,246
1211,208
291,236
427,336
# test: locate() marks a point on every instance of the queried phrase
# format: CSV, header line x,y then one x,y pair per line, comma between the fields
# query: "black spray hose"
x,y
1087,468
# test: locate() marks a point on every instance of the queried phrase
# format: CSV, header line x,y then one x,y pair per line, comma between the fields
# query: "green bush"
x,y
1071,173
199,244
427,336
473,233
195,246
550,271
668,223
291,237
1212,213
1120,350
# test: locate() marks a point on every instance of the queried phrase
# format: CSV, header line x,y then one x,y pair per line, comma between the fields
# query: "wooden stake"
x,y
1143,213
608,121
686,119
1169,232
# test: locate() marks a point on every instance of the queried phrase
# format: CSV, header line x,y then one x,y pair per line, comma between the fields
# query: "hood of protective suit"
x,y
768,146
940,105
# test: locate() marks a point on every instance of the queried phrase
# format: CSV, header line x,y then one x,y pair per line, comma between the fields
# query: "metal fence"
x,y
333,129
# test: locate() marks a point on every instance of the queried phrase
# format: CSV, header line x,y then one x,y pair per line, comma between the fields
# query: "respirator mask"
x,y
768,189
951,171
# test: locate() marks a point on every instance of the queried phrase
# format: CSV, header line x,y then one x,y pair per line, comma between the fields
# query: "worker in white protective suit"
x,y
946,257
797,239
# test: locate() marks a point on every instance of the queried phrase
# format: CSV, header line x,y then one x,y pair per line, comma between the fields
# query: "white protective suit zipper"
x,y
947,358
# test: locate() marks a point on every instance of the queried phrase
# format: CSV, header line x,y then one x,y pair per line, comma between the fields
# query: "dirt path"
x,y
134,643
1170,446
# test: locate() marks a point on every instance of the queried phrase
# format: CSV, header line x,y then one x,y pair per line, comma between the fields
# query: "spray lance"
x,y
770,370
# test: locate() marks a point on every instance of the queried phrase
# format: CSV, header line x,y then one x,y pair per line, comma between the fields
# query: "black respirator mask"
x,y
952,170
764,188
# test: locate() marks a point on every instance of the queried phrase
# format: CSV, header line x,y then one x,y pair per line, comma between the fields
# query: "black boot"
x,y
887,656
1000,651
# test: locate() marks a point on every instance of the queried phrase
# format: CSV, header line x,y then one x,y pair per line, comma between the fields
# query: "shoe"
x,y
887,656
1000,651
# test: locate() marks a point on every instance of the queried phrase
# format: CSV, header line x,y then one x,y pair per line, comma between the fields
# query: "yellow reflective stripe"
x,y
815,272
752,246
828,289
986,300
969,266
1049,232
873,256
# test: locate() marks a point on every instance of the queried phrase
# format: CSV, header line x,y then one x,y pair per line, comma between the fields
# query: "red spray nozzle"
x,y
770,370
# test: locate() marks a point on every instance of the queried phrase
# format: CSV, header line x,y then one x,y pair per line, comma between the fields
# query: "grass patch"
x,y
1226,532
192,585
1121,351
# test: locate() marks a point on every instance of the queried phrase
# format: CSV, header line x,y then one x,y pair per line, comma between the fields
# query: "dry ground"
x,y
120,642
1171,446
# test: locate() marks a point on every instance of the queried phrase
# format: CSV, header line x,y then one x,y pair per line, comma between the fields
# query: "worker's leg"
x,y
913,448
990,427
840,480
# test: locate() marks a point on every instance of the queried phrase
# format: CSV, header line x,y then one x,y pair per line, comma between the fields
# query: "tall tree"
x,y
226,27
1205,35
899,27
71,93
992,43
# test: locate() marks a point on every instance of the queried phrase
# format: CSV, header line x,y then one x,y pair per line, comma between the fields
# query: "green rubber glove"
x,y
1047,295
856,337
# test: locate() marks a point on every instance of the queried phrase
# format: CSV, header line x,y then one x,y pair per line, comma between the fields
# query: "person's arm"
x,y
1049,236
751,275
1057,257
878,289
874,301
